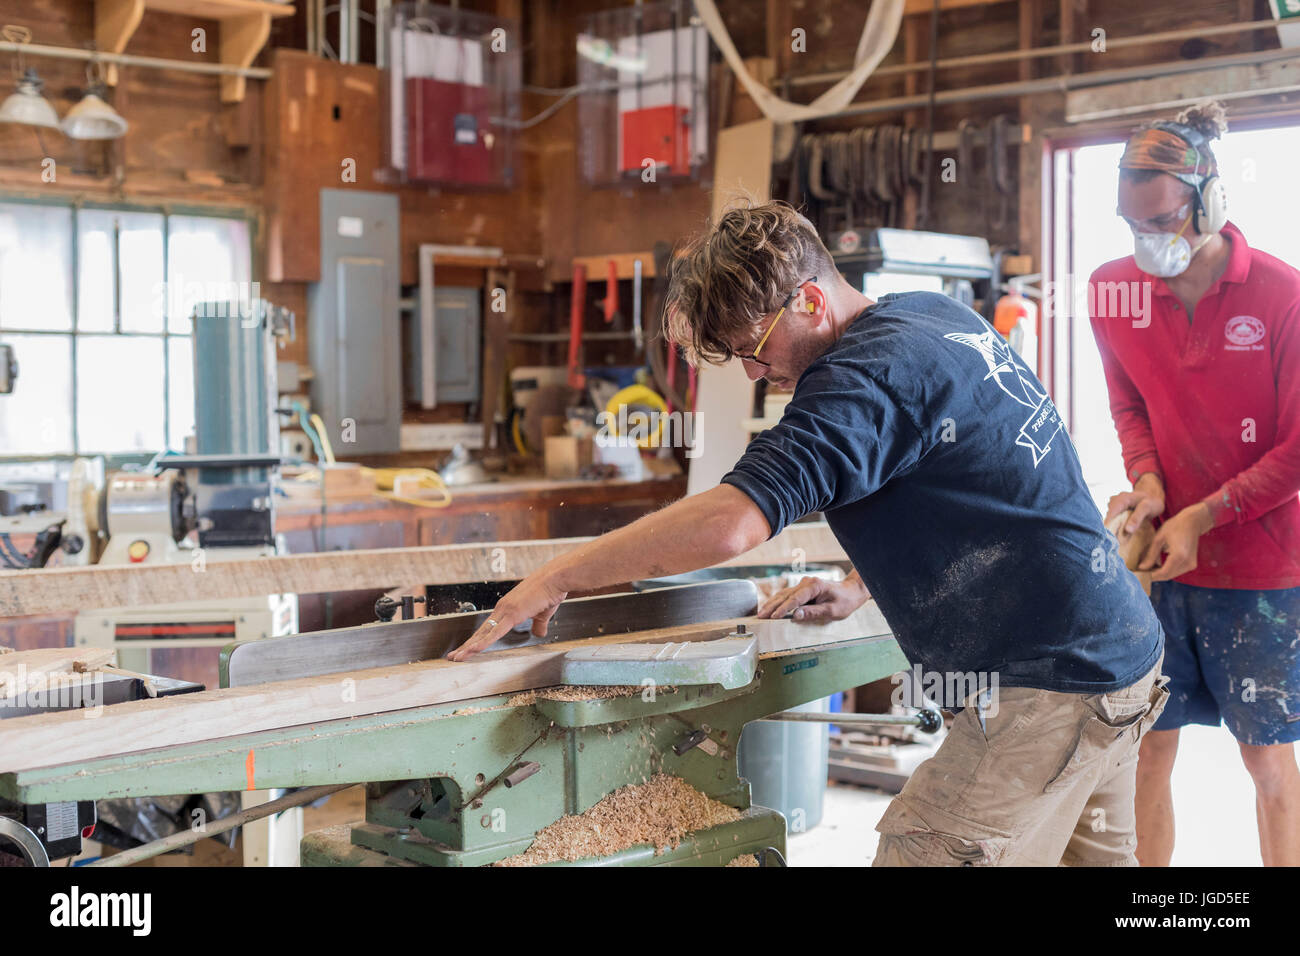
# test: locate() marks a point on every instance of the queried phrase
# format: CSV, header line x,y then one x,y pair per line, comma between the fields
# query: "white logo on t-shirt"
x,y
1043,423
1243,331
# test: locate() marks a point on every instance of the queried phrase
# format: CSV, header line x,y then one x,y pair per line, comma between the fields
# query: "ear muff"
x,y
1212,198
1212,213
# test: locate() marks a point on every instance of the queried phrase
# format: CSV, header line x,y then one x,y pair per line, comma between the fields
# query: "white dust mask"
x,y
1165,254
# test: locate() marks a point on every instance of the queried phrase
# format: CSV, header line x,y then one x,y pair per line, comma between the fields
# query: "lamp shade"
x,y
92,118
27,105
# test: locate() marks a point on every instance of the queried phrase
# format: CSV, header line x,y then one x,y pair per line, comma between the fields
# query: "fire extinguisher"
x,y
1016,318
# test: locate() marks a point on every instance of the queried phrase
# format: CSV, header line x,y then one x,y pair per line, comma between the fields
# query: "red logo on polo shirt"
x,y
1243,331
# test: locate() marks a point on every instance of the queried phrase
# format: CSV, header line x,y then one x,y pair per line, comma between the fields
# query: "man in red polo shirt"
x,y
1203,368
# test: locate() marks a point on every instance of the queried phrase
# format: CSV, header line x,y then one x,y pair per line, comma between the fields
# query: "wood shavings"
x,y
749,859
577,692
661,812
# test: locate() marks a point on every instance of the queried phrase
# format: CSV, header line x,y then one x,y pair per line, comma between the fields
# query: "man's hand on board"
x,y
814,599
534,597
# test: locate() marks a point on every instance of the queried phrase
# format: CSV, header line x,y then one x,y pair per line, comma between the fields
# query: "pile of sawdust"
x,y
660,812
580,692
749,859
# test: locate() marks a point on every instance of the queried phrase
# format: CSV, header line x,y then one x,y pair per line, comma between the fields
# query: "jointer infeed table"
x,y
464,763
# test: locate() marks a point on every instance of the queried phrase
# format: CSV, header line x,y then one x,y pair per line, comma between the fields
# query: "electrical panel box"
x,y
355,333
643,112
456,343
453,95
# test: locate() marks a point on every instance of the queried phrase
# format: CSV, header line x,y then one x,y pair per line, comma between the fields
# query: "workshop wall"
x,y
271,153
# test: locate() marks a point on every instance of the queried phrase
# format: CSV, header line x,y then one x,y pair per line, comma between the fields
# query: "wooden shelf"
x,y
220,9
598,266
244,28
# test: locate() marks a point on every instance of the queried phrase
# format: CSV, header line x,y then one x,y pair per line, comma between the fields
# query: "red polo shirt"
x,y
1212,405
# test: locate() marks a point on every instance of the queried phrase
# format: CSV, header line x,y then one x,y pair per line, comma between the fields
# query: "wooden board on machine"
x,y
49,739
54,589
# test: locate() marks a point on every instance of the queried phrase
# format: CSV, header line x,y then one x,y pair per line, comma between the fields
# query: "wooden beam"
x,y
74,589
1169,92
1029,203
1074,23
241,39
115,21
918,7
68,737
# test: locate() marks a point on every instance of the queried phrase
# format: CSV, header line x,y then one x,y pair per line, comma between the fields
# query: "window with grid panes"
x,y
96,303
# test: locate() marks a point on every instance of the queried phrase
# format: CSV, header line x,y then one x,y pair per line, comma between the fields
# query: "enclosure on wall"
x,y
453,96
643,112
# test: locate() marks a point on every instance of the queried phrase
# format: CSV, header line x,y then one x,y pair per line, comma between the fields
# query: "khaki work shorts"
x,y
1047,780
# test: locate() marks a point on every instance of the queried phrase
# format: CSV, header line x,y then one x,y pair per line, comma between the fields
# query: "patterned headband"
x,y
1168,152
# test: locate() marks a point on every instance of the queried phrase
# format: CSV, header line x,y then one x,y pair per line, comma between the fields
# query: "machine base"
x,y
361,844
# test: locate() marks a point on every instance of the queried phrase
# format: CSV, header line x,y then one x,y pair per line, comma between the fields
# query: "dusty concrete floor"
x,y
1214,808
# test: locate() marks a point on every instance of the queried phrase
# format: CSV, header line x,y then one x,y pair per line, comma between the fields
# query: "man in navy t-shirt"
x,y
946,474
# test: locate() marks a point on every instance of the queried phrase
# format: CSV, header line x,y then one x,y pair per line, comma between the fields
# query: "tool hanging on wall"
x,y
1003,184
858,178
637,335
610,302
997,140
577,307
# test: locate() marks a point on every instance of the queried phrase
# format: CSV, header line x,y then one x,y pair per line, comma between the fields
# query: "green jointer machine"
x,y
471,781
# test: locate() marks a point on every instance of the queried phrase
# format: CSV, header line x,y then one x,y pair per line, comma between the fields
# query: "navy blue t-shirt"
x,y
948,477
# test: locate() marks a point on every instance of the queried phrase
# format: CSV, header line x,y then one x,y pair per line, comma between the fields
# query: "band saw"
x,y
622,687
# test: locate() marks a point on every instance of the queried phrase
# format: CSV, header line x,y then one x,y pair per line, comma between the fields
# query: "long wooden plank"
x,y
73,589
52,739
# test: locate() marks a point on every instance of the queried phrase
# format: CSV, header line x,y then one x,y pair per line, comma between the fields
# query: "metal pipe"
x,y
177,840
129,59
845,719
927,720
309,14
1061,84
565,336
1010,56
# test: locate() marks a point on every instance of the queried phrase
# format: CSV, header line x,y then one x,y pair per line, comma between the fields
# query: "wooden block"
x,y
566,456
1133,546
1020,265
553,425
346,480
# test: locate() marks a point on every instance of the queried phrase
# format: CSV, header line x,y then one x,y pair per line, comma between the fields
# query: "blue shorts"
x,y
1234,656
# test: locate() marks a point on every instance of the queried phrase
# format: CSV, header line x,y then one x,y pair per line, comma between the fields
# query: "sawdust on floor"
x,y
661,812
748,859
